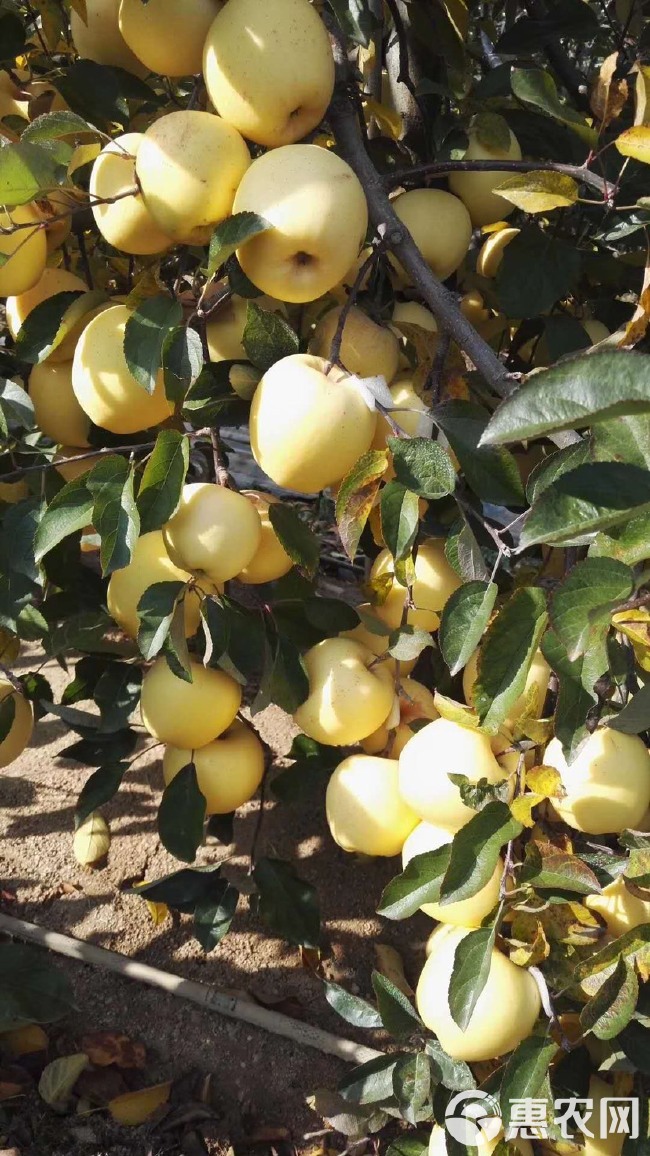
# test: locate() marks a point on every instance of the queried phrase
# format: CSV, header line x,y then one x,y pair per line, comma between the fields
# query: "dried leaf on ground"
x,y
103,1048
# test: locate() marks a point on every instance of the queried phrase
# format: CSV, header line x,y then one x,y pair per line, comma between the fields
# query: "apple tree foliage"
x,y
542,495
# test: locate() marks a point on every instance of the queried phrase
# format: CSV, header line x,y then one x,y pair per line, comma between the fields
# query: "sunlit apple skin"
x,y
319,215
490,256
188,714
307,428
20,732
607,786
103,385
56,409
78,465
270,561
537,681
347,701
269,70
367,349
412,313
224,331
189,166
168,35
440,226
229,770
505,1013
483,1147
415,702
435,582
24,250
602,1143
468,912
364,810
126,224
476,189
440,749
99,38
619,907
51,282
150,563
215,531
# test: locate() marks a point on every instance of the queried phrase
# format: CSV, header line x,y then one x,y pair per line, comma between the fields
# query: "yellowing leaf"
x,y
23,1041
456,712
157,911
134,1108
642,95
521,808
539,192
389,121
389,963
148,285
635,625
59,1078
83,155
635,143
609,93
547,781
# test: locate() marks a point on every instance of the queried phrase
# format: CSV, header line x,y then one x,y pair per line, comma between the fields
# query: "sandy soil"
x,y
258,1081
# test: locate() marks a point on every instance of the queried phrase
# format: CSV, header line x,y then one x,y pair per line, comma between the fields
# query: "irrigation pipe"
x,y
210,998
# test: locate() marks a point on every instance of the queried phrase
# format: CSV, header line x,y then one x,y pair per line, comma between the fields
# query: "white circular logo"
x,y
473,1117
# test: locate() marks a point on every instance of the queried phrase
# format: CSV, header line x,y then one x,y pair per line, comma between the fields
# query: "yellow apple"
x,y
621,909
531,700
72,462
150,563
483,1146
188,714
92,840
189,165
307,428
412,313
377,643
435,582
56,409
409,412
440,226
229,770
268,69
472,306
364,810
492,250
224,331
367,349
103,385
595,330
607,786
168,35
476,189
415,702
24,250
347,701
467,912
20,732
126,224
9,647
215,531
51,282
270,561
319,217
443,748
98,37
505,1012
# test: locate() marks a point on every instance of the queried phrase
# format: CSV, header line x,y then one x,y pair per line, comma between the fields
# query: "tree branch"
x,y
418,173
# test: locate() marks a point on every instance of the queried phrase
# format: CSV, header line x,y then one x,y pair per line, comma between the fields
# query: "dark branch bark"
x,y
418,173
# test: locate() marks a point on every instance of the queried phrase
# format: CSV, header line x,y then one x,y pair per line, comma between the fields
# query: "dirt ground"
x,y
258,1081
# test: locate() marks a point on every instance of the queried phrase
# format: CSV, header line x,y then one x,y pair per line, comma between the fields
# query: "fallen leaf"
x,y
135,1108
59,1078
157,911
24,1041
99,1085
13,1082
389,963
104,1048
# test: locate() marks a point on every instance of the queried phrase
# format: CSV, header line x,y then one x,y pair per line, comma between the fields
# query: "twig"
x,y
335,348
15,227
11,677
374,79
221,474
418,173
16,475
209,998
434,376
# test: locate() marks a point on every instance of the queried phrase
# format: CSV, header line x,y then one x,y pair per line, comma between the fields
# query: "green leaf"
x,y
370,1083
53,125
12,37
400,519
26,170
536,87
589,498
409,1144
578,392
628,946
624,439
627,543
99,789
15,404
472,960
491,473
50,322
162,480
537,270
267,337
284,680
156,610
311,769
398,1015
574,701
475,852
635,716
145,334
407,643
175,649
287,905
117,694
230,235
31,989
506,654
557,871
182,361
412,1084
419,883
582,604
356,497
525,1072
183,890
115,514
356,19
463,621
7,715
68,512
455,1075
331,615
297,538
612,1008
463,552
553,466
235,637
181,815
423,466
214,914
351,1008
